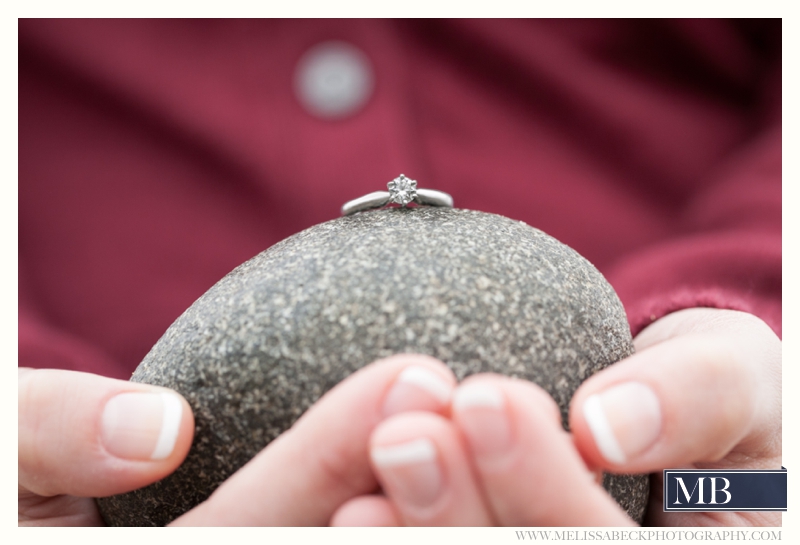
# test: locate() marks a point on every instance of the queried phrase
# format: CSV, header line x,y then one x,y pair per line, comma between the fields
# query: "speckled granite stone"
x,y
481,292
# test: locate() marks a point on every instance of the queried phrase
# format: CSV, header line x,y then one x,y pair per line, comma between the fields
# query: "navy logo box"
x,y
725,490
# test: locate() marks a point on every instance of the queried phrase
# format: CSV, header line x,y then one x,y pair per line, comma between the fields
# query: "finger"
x,y
732,323
322,461
691,395
421,462
58,511
371,511
87,435
529,469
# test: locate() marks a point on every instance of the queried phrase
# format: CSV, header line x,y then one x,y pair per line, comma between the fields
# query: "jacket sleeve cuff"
x,y
736,271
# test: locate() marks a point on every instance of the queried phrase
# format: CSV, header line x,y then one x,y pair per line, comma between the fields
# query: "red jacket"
x,y
155,156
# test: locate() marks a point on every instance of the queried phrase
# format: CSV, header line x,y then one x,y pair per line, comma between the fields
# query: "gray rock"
x,y
481,292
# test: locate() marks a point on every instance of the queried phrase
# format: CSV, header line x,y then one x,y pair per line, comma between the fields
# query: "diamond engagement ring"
x,y
402,191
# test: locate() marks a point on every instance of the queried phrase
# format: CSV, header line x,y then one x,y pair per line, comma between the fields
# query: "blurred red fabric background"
x,y
156,155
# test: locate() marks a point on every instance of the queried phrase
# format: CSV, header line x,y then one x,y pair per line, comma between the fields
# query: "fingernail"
x,y
417,388
410,471
141,426
481,414
624,420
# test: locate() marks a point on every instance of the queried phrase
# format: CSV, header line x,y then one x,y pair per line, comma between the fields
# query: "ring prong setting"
x,y
402,190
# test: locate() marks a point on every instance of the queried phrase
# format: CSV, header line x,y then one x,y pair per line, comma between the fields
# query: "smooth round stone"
x,y
481,292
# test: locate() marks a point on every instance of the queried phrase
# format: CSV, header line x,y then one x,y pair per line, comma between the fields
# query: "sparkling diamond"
x,y
402,190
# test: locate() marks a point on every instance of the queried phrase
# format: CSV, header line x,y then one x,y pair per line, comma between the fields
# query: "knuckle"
x,y
729,379
338,472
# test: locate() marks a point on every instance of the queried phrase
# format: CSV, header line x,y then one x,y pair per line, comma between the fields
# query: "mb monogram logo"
x,y
699,487
725,490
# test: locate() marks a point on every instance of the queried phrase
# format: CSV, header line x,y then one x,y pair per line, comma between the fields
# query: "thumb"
x,y
86,435
705,383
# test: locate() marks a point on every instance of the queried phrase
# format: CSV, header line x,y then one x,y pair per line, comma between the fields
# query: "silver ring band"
x,y
379,199
376,199
432,197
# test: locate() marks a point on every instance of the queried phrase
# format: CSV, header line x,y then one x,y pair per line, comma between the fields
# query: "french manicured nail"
x,y
141,426
417,388
481,414
624,420
410,471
